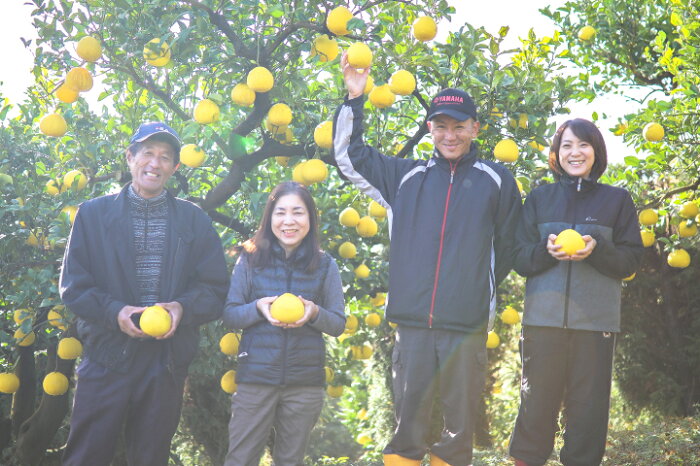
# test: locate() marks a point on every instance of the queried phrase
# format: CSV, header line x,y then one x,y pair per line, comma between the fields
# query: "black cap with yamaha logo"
x,y
454,103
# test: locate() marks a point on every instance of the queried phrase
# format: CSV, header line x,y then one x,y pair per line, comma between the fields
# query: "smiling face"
x,y
453,138
290,221
576,156
151,167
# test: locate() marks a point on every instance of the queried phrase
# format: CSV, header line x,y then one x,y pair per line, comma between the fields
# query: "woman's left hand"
x,y
585,252
310,313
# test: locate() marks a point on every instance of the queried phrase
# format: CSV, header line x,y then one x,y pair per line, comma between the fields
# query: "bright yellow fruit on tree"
x,y
334,391
337,21
228,382
287,308
648,238
34,240
192,156
79,79
621,129
66,95
323,134
367,227
242,94
156,52
298,174
381,96
53,125
155,321
329,374
686,231
653,132
55,383
276,131
379,299
51,187
206,111
586,33
424,28
570,241
279,115
362,414
648,217
347,250
260,79
678,258
229,344
326,48
74,176
89,49
71,211
373,320
24,339
369,85
9,383
349,217
351,324
376,210
362,271
630,278
402,82
521,122
20,315
69,348
689,210
536,145
314,171
364,439
366,351
359,55
493,340
510,316
506,150
54,317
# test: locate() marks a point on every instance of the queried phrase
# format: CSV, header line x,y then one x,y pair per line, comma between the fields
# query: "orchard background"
x,y
207,47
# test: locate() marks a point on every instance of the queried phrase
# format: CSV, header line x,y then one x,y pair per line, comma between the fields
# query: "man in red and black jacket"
x,y
452,220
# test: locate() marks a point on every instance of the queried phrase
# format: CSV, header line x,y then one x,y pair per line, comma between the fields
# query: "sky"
x,y
15,22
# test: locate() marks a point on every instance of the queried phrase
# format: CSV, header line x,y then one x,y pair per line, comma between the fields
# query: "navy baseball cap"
x,y
151,128
452,102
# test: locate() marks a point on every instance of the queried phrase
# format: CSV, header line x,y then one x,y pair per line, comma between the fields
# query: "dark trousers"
x,y
565,367
143,403
451,364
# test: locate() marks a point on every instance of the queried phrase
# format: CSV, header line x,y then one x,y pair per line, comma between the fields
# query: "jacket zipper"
x,y
442,241
568,271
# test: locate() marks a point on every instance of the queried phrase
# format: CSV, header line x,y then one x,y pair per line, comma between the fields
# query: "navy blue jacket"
x,y
98,278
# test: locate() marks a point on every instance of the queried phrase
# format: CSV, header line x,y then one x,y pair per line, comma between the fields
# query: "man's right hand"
x,y
355,81
127,325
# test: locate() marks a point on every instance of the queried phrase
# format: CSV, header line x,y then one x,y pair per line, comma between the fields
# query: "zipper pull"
x,y
452,172
578,185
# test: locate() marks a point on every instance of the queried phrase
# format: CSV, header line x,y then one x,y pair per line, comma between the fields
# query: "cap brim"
x,y
451,113
177,142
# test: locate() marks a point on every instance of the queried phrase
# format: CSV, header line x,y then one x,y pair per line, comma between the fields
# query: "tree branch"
x,y
671,193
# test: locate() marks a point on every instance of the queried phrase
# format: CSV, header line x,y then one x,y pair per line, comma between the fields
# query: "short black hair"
x,y
585,131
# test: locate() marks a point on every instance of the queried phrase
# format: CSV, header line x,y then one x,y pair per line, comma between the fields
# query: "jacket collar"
x,y
298,258
577,184
465,160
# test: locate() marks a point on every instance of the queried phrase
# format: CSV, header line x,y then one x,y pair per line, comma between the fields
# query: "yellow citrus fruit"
x,y
206,111
369,85
66,95
51,187
329,374
69,348
277,131
55,384
34,240
362,271
24,339
351,324
359,55
347,250
686,231
9,383
71,211
279,115
260,79
337,21
402,82
298,173
243,95
366,351
282,160
493,340
381,96
586,33
630,278
570,241
53,125
229,344
323,135
506,150
653,132
536,145
155,321
79,79
648,217
678,258
314,171
510,316
367,227
648,238
373,319
689,209
325,48
192,156
228,382
424,28
20,315
74,176
520,185
54,318
376,210
156,53
349,217
89,49
621,129
287,308
362,414
334,391
378,299
364,439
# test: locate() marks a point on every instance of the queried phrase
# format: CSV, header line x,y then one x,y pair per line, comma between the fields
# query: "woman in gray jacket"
x,y
280,373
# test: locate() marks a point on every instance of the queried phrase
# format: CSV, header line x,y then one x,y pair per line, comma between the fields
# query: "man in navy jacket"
x,y
138,248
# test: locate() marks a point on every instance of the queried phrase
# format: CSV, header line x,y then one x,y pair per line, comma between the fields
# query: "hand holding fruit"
x,y
310,313
126,324
355,80
263,305
175,310
557,251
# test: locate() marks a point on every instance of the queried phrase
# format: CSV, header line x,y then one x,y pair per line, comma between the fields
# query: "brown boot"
x,y
437,461
398,460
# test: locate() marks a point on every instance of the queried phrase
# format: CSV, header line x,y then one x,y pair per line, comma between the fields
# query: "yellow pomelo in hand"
x,y
323,135
586,33
402,82
260,79
653,132
9,383
337,21
381,96
686,231
55,384
24,339
347,250
359,55
493,340
506,150
279,115
89,49
229,344
648,238
351,324
678,258
66,95
314,171
156,53
287,308
53,125
79,79
510,316
369,85
373,319
51,187
206,111
424,28
334,391
362,271
325,48
648,217
349,217
155,321
376,210
570,241
192,156
243,95
74,176
367,227
228,382
688,210
69,348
